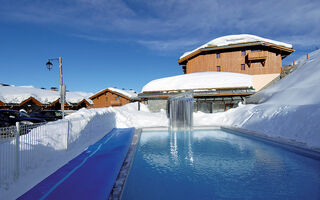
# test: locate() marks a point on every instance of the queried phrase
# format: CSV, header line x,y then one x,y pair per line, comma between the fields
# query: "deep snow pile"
x,y
86,127
17,94
289,109
236,39
200,80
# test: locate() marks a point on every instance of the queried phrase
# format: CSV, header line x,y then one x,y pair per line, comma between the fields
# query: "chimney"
x,y
307,56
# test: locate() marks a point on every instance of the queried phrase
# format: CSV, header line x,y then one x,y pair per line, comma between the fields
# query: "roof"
x,y
200,81
130,94
18,94
232,41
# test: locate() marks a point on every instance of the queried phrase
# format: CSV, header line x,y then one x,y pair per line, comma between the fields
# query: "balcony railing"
x,y
115,103
258,55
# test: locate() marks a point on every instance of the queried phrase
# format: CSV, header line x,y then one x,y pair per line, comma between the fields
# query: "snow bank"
x,y
200,80
236,39
289,109
17,94
86,127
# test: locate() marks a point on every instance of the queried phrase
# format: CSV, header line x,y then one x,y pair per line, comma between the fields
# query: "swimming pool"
x,y
215,164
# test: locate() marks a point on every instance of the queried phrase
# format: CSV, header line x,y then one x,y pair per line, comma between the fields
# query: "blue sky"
x,y
127,43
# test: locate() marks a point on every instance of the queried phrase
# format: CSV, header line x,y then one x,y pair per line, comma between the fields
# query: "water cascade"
x,y
181,111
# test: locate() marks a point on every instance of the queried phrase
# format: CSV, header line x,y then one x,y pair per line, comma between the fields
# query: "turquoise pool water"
x,y
214,164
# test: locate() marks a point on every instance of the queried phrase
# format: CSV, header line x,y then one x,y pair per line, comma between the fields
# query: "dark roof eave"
x,y
183,60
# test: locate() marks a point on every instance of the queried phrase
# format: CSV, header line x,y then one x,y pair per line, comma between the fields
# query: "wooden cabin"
x,y
113,97
2,105
247,54
30,104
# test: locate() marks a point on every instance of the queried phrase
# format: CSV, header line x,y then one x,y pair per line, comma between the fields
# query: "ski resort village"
x,y
112,117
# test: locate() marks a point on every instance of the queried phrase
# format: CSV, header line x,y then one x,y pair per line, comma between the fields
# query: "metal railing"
x,y
23,147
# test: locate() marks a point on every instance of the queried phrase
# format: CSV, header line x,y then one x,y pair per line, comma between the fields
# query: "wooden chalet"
x,y
2,105
113,97
31,99
30,104
247,54
240,54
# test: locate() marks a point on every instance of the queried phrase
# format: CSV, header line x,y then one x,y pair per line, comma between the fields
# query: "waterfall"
x,y
181,111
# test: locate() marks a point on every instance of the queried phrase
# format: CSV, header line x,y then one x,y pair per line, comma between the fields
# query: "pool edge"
x,y
290,145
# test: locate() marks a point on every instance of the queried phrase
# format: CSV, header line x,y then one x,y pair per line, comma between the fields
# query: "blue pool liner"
x,y
91,175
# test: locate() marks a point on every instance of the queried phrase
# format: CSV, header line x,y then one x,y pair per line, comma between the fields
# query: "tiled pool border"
x,y
289,145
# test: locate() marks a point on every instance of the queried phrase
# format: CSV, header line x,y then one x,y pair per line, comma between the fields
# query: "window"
x,y
218,68
218,55
243,53
255,50
243,67
117,98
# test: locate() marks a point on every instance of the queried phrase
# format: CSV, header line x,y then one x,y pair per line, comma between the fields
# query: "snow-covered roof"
x,y
17,94
128,93
200,80
236,39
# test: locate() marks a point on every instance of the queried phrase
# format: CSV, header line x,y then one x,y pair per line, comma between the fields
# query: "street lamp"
x,y
62,87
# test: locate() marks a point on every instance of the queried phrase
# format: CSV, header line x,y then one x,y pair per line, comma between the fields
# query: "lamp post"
x,y
62,87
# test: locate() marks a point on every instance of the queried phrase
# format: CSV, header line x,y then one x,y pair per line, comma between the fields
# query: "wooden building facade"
x,y
240,54
32,104
249,58
113,97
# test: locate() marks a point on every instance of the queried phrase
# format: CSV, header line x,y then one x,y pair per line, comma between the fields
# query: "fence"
x,y
24,147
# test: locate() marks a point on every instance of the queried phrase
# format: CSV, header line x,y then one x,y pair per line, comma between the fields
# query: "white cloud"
x,y
174,24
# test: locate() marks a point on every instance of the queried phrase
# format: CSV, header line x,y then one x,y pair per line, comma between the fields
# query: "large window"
x,y
218,68
243,67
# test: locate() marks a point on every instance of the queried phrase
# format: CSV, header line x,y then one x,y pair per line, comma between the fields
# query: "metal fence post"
x,y
17,152
67,139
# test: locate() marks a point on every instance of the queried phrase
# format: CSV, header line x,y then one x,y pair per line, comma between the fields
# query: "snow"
x,y
129,93
17,94
87,127
200,80
236,39
288,110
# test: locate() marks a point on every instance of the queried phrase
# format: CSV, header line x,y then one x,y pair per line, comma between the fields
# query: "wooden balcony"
x,y
258,56
115,103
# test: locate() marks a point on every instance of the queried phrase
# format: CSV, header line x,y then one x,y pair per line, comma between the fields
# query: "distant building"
x,y
113,97
31,99
213,91
237,66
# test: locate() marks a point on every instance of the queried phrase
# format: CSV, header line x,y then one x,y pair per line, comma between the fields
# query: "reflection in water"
x,y
212,164
183,141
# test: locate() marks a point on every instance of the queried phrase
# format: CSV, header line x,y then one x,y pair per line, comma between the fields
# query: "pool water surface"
x,y
215,164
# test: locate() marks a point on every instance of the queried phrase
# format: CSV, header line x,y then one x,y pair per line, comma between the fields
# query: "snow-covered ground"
x,y
88,126
290,109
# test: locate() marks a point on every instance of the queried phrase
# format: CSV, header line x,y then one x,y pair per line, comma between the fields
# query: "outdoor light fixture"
x,y
62,87
49,65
